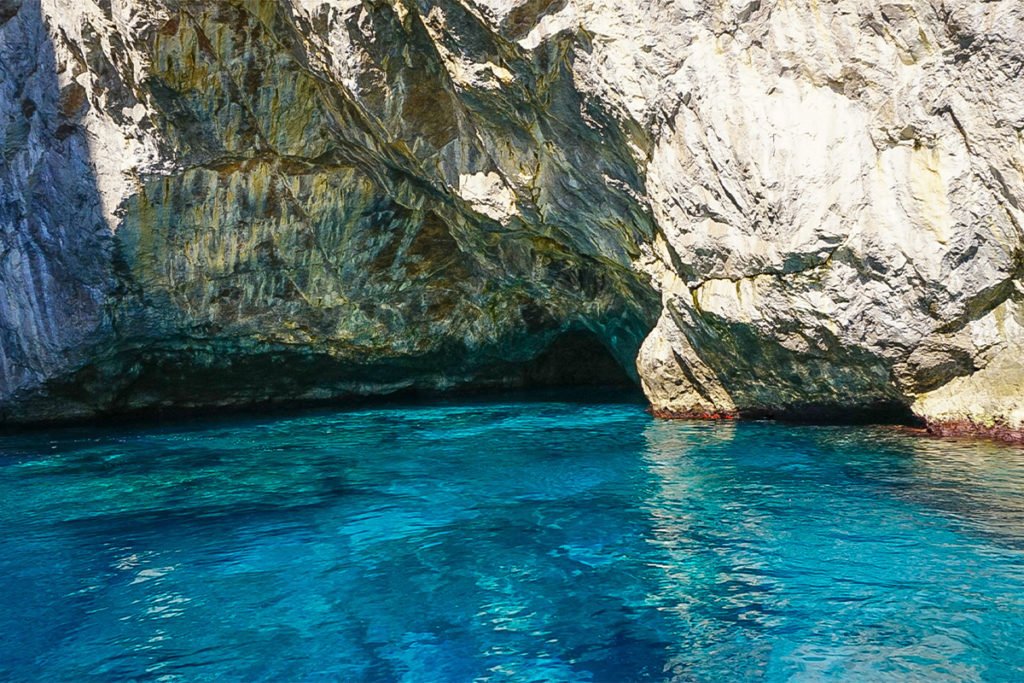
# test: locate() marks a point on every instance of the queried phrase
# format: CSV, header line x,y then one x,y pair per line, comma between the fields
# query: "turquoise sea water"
x,y
508,541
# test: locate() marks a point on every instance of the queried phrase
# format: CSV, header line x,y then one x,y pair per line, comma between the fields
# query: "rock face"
x,y
839,203
791,208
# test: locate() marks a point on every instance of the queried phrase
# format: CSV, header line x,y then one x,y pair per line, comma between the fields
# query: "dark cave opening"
x,y
190,381
874,413
576,358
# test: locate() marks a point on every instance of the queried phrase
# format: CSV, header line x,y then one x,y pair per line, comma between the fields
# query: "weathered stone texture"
x,y
245,200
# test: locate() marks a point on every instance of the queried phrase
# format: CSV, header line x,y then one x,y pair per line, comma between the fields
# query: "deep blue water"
x,y
508,541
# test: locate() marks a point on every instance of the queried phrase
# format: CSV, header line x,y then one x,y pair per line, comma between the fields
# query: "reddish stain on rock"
x,y
967,428
691,415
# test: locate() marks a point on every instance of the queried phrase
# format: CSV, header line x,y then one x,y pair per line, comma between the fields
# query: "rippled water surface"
x,y
522,541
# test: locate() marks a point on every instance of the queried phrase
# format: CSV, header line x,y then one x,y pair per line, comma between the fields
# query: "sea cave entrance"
x,y
577,358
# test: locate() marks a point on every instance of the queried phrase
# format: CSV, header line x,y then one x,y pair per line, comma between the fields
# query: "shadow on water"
x,y
395,405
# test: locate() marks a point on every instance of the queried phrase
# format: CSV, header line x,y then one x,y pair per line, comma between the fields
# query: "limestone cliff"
x,y
768,207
